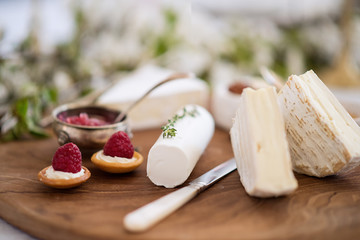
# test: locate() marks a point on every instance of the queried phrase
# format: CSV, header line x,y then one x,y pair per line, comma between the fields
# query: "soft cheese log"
x,y
259,143
323,138
171,160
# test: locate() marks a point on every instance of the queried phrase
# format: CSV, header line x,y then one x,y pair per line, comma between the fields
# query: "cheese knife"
x,y
148,215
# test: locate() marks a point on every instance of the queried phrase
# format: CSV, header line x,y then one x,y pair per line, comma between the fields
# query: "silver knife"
x,y
148,215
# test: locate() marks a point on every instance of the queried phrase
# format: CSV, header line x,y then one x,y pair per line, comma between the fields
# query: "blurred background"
x,y
54,51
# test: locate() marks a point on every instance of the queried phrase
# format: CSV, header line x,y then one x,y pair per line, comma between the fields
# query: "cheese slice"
x,y
323,138
259,143
171,160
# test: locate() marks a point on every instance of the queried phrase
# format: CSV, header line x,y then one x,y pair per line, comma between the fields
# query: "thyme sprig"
x,y
169,130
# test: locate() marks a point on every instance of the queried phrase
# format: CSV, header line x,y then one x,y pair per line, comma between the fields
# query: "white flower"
x,y
325,38
204,32
224,73
62,80
188,59
110,49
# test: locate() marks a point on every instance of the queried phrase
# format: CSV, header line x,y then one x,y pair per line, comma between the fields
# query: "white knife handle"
x,y
146,216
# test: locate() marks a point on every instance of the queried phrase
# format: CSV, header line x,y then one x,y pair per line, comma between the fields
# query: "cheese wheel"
x,y
147,114
223,97
171,160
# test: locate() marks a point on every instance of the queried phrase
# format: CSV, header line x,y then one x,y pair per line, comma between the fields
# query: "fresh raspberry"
x,y
67,158
119,145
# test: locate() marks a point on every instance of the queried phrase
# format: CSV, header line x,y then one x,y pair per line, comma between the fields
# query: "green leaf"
x,y
36,130
28,111
49,95
169,130
168,39
170,17
21,108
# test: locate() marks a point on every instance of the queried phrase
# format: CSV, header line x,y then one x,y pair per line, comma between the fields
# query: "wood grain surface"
x,y
327,208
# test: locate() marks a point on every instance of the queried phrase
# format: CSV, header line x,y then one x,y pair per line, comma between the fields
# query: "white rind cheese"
x,y
259,143
147,114
323,138
171,160
221,97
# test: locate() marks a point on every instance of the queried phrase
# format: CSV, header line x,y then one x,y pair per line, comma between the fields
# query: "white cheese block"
x,y
171,160
323,138
260,147
154,110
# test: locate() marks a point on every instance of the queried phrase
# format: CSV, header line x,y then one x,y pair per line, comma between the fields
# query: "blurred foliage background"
x,y
111,39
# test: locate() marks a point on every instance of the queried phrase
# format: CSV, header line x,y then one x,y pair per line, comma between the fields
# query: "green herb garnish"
x,y
169,130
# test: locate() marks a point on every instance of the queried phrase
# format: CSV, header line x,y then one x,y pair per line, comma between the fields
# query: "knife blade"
x,y
147,216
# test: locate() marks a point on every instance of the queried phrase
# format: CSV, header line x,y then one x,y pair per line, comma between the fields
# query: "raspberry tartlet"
x,y
66,170
118,155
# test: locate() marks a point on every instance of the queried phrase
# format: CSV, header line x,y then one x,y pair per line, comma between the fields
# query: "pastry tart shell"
x,y
117,167
63,183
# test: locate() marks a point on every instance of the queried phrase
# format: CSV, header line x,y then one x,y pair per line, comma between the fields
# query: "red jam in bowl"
x,y
84,120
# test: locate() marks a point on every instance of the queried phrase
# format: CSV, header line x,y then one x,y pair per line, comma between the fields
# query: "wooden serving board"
x,y
327,208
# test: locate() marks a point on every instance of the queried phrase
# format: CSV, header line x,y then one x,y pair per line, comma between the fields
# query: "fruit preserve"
x,y
84,119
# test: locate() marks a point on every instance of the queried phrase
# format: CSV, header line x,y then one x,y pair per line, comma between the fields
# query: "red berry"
x,y
67,158
119,145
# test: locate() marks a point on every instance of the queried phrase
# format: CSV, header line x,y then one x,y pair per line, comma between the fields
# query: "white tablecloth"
x,y
8,232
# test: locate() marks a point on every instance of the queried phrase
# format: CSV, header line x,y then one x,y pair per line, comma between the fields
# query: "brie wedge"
x,y
323,138
172,159
260,147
